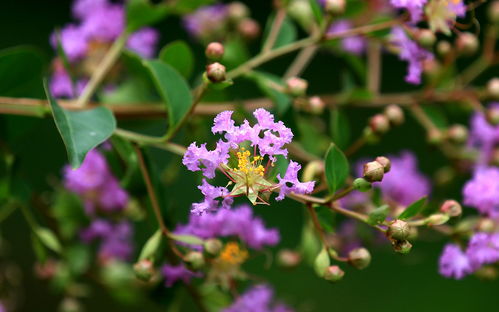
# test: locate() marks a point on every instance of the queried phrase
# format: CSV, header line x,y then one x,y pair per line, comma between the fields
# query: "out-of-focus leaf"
x,y
340,128
235,53
151,246
183,7
140,13
173,89
336,168
413,209
81,131
316,9
68,212
188,239
437,116
282,101
132,90
179,55
48,238
78,257
310,244
326,218
378,215
287,33
38,249
214,298
322,262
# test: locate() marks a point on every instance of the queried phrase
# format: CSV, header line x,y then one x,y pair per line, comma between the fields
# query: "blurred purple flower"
x,y
482,191
104,23
353,44
173,273
83,8
454,262
60,85
483,248
73,42
144,42
115,239
483,135
206,21
258,298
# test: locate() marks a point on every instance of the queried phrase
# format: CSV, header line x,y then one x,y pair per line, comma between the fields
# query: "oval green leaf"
x,y
48,238
151,246
179,55
140,13
337,168
413,209
188,239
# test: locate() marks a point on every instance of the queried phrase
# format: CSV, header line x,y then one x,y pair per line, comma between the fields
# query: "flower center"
x,y
232,254
247,165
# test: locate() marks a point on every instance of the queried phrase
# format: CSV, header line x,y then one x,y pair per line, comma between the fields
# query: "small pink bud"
x,y
444,48
394,114
296,86
215,72
316,105
435,136
373,171
237,11
379,124
249,28
288,258
385,162
467,44
335,7
437,219
214,51
492,115
486,225
334,273
457,134
493,88
452,208
144,269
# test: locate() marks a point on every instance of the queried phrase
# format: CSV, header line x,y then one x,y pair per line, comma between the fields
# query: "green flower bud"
x,y
395,114
486,225
444,48
494,12
493,88
426,37
144,269
492,116
237,11
362,185
399,230
451,208
213,246
403,247
457,134
322,262
333,273
195,259
296,86
359,258
373,171
437,219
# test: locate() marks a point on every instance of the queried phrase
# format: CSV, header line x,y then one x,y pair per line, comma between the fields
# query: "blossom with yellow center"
x,y
232,254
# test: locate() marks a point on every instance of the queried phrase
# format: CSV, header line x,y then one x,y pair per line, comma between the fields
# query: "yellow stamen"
x,y
232,254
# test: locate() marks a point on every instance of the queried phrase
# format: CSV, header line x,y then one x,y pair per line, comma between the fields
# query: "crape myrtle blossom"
x,y
352,44
238,222
175,273
411,52
414,7
483,135
207,22
258,298
483,249
115,238
240,155
442,14
481,192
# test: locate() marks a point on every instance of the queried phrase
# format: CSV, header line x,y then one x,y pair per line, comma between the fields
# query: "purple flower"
x,y
116,239
238,222
404,183
266,138
73,42
173,273
210,202
61,86
353,44
144,42
258,298
454,262
411,52
483,248
483,135
415,7
104,23
206,22
482,191
83,8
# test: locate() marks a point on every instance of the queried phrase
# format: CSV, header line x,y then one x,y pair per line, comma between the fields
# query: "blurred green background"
x,y
392,282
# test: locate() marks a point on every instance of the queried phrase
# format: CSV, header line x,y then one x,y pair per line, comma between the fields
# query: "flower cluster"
x,y
115,238
481,191
258,298
352,44
175,273
483,136
240,156
99,23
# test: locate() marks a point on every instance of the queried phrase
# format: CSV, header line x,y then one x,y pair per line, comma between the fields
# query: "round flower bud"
x,y
457,134
373,171
385,162
359,258
435,136
431,67
288,258
486,225
399,230
494,12
195,258
237,11
213,246
361,184
215,72
437,219
296,86
144,269
301,12
444,48
379,124
451,208
403,247
493,88
394,114
249,28
494,159
214,51
492,116
316,105
334,273
426,37
70,305
334,7
467,44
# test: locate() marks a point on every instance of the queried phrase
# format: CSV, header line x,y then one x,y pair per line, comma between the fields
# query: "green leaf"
x,y
173,89
309,244
322,262
340,128
188,239
151,246
264,80
326,218
437,116
179,55
81,131
78,258
316,9
337,168
378,215
236,53
140,13
48,238
287,33
183,7
413,209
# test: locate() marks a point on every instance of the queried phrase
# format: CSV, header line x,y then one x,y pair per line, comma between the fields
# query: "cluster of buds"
x,y
375,170
399,232
380,123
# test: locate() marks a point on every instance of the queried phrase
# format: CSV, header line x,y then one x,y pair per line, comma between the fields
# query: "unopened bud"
x,y
451,208
399,230
494,12
237,11
426,37
493,88
334,273
385,162
437,219
70,305
494,158
362,185
213,246
249,28
373,171
403,247
335,7
487,272
214,51
394,114
379,124
467,44
457,134
302,12
435,136
444,48
486,225
359,258
144,269
492,115
215,72
316,105
195,258
288,258
296,86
